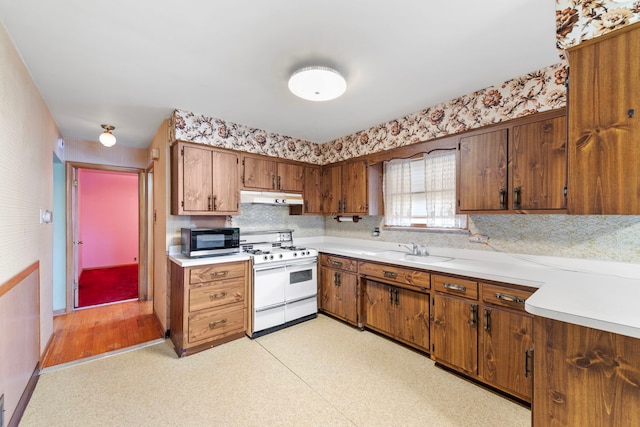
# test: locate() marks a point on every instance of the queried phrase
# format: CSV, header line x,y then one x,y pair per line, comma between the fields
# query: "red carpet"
x,y
103,285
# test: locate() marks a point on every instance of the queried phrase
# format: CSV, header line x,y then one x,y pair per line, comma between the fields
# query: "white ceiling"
x,y
130,63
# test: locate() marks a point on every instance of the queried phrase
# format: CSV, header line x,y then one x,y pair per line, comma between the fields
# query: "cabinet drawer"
x,y
454,286
504,296
416,279
216,272
215,294
210,325
337,262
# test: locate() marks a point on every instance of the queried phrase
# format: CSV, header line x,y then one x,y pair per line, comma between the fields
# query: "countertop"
x,y
596,294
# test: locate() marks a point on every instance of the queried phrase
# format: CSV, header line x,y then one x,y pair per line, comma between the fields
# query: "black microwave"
x,y
197,242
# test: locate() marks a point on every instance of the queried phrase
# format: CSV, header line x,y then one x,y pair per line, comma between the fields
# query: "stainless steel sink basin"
x,y
399,255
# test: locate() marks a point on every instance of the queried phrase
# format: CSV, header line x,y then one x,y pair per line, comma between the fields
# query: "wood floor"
x,y
93,331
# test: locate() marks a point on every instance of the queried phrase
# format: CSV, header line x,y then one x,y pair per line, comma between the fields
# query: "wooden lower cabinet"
x,y
208,305
506,340
400,313
454,332
338,293
584,376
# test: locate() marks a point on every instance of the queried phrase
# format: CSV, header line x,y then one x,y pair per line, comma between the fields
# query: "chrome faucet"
x,y
416,249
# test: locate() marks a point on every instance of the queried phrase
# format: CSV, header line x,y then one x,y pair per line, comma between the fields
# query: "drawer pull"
x,y
455,287
391,274
216,323
336,263
216,296
509,298
220,273
474,315
422,288
528,358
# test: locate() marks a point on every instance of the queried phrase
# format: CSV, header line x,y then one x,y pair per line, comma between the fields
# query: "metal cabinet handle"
x,y
344,205
390,274
337,279
509,298
474,315
390,295
279,183
503,198
216,296
455,287
337,263
217,322
209,204
487,319
340,205
395,291
273,182
220,273
528,358
517,192
215,207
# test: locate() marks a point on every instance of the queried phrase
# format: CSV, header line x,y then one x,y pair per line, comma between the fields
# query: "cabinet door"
x,y
378,300
225,182
482,172
454,334
312,191
604,126
338,293
259,173
507,339
539,164
332,190
354,188
197,180
290,177
412,317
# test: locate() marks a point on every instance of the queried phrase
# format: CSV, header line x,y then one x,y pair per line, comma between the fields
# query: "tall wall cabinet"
x,y
604,124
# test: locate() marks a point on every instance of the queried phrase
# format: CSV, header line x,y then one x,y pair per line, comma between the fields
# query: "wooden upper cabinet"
x,y
520,167
482,172
352,188
204,180
312,190
290,177
259,173
266,173
332,190
604,125
539,164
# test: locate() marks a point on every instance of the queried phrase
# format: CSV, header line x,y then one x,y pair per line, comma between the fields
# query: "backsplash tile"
x,y
266,217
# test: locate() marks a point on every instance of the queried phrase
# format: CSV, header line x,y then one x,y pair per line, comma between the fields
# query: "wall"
x,y
28,137
92,152
108,209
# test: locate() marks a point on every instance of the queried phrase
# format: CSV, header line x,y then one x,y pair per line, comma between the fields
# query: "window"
x,y
422,192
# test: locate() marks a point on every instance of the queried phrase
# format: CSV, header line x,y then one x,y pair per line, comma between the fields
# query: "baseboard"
x,y
24,399
109,266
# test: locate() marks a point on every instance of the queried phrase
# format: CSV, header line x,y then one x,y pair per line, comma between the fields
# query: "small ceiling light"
x,y
106,138
317,83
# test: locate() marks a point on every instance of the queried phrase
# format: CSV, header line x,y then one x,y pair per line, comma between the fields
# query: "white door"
x,y
268,297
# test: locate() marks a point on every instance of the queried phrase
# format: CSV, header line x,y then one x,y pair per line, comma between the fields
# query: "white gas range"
x,y
285,280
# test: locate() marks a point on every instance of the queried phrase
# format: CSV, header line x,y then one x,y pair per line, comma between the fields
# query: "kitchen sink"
x,y
399,255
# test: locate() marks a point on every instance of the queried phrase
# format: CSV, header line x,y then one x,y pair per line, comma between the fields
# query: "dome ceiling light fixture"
x,y
107,138
317,83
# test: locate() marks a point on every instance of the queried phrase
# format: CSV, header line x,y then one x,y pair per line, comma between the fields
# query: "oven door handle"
x,y
282,264
270,307
268,267
291,301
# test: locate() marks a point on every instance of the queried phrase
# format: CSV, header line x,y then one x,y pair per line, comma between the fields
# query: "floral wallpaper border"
x,y
580,20
539,91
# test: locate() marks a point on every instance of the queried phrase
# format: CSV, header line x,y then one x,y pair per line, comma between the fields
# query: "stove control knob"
x,y
295,254
280,256
264,257
270,256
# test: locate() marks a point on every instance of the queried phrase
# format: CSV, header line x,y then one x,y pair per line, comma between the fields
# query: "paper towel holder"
x,y
354,218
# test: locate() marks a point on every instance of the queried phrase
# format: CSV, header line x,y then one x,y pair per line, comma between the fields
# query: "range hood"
x,y
269,198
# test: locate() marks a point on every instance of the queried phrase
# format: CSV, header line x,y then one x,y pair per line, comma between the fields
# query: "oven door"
x,y
268,296
301,289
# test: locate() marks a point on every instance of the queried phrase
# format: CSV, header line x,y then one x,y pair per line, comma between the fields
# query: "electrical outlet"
x,y
478,238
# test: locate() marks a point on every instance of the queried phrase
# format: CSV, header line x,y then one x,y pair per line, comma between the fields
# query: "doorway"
x,y
106,234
